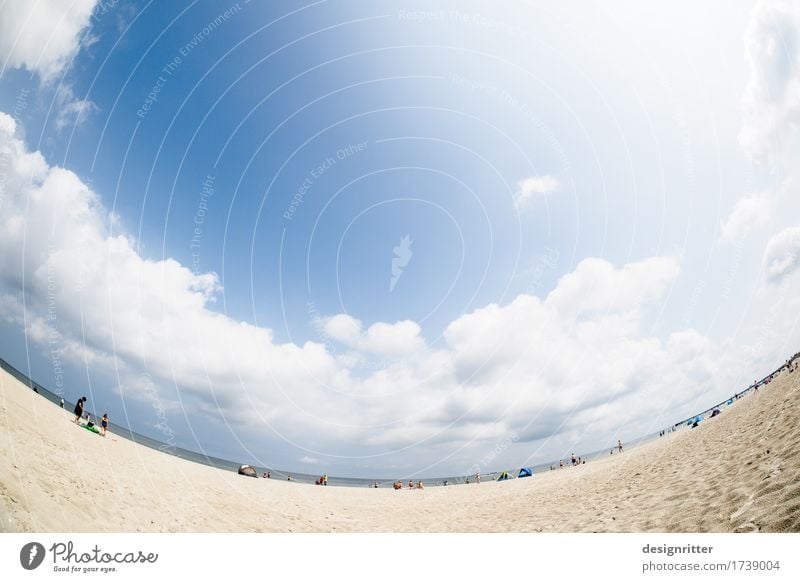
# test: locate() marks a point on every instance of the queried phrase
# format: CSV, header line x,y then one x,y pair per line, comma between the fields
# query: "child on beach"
x,y
104,423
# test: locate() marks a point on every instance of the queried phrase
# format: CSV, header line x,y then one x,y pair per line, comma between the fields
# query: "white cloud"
x,y
782,255
596,286
398,338
72,111
42,35
750,212
772,97
528,188
309,460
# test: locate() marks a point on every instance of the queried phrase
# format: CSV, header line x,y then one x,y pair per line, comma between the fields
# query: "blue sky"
x,y
202,206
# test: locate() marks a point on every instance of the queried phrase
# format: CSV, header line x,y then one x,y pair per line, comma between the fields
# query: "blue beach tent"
x,y
525,472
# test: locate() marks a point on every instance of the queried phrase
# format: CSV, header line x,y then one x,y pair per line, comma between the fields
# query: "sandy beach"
x,y
739,472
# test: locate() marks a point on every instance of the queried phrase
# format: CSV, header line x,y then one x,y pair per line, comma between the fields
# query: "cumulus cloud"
x,y
772,97
44,35
402,337
782,255
533,186
750,212
579,360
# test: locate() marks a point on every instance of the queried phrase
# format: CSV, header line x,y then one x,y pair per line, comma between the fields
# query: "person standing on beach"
x,y
325,479
79,409
62,403
104,423
619,445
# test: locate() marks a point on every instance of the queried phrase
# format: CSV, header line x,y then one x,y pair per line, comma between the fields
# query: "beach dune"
x,y
738,472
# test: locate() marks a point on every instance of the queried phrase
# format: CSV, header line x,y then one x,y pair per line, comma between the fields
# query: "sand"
x,y
739,472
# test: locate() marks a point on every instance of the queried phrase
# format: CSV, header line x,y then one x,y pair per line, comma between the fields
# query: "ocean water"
x,y
306,478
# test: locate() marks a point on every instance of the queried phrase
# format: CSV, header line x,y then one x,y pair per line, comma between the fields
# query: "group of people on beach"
x,y
81,415
398,485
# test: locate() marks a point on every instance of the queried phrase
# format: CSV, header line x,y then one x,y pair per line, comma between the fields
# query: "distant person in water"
x,y
619,445
104,423
288,477
79,409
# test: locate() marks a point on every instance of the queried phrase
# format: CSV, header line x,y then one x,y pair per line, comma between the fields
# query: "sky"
x,y
398,239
